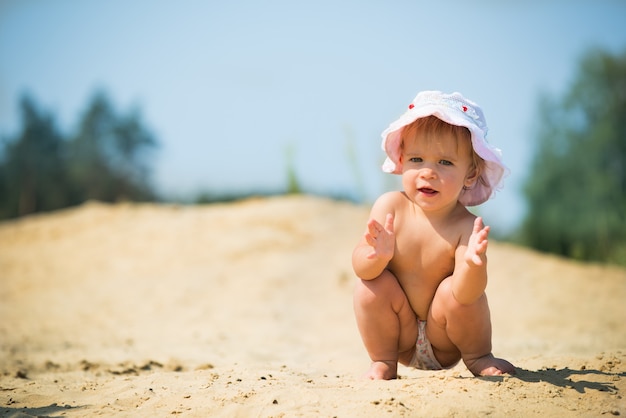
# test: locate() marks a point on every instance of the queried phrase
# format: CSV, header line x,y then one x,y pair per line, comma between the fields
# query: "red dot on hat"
x,y
464,108
411,106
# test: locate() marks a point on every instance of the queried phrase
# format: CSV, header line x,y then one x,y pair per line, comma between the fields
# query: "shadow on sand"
x,y
563,378
43,411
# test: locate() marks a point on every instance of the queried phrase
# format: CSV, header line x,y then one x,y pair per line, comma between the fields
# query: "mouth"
x,y
427,191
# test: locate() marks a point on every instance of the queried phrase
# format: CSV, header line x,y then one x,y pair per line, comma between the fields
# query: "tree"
x,y
106,159
576,191
108,154
33,174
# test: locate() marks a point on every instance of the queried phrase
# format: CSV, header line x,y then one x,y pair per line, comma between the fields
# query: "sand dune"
x,y
244,309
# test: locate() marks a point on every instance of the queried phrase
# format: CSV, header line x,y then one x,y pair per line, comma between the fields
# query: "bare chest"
x,y
426,252
421,262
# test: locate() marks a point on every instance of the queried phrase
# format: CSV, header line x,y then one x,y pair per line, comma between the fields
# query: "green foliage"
x,y
293,185
107,155
33,168
576,191
41,170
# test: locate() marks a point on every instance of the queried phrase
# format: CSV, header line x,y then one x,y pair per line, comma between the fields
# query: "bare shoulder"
x,y
388,202
464,224
391,198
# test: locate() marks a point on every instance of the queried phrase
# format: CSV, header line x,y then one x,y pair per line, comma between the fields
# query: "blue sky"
x,y
228,87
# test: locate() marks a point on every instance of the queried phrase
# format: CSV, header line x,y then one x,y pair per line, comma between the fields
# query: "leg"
x,y
387,324
463,330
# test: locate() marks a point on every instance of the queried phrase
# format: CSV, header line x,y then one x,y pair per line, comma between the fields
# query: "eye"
x,y
445,162
415,160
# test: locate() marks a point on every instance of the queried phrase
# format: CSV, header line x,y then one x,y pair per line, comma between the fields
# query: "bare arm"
x,y
377,245
470,272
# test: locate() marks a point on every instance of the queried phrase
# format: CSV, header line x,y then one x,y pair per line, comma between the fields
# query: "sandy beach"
x,y
244,310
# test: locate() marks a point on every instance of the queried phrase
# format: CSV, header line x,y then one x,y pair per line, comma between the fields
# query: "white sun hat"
x,y
455,110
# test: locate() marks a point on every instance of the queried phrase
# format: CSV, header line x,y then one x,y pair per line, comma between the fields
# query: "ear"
x,y
472,176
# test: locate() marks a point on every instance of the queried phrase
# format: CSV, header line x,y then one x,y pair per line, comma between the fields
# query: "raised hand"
x,y
381,238
476,253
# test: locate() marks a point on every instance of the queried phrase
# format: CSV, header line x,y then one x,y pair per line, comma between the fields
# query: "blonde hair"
x,y
432,126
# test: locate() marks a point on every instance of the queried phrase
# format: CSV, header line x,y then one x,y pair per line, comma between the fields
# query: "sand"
x,y
244,310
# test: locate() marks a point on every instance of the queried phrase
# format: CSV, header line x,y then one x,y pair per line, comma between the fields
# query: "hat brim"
x,y
494,167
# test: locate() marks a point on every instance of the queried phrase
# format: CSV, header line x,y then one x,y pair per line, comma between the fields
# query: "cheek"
x,y
409,176
454,178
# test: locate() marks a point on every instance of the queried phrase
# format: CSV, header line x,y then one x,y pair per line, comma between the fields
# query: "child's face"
x,y
435,168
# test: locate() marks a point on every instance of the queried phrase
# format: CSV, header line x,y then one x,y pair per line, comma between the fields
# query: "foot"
x,y
382,370
489,366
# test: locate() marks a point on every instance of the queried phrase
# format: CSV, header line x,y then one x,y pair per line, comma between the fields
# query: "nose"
x,y
427,172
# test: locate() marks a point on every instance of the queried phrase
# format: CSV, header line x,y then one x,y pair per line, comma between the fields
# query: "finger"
x,y
478,224
477,260
389,223
482,234
374,227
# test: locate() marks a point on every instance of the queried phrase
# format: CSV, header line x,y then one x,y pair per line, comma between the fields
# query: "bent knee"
x,y
446,305
445,293
383,289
